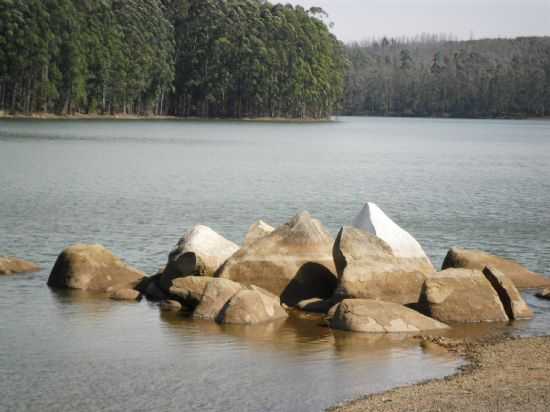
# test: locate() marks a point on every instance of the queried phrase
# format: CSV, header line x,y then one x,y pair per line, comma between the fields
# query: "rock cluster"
x,y
363,279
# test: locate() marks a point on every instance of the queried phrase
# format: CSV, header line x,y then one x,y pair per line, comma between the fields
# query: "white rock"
x,y
212,248
257,231
373,220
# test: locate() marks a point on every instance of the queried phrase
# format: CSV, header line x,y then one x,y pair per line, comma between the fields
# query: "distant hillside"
x,y
430,76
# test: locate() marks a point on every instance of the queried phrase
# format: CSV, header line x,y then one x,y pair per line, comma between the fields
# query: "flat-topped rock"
x,y
293,262
92,268
462,295
476,259
368,269
189,289
516,308
251,306
216,294
11,265
373,220
374,316
257,231
200,252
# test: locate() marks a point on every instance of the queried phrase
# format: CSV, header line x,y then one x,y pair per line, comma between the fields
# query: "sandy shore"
x,y
510,374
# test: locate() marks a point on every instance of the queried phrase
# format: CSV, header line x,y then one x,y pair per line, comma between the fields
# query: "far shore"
x,y
502,374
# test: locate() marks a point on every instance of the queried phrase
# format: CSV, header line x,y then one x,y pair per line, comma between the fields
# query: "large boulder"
x,y
462,295
476,259
511,299
293,262
200,252
12,265
373,220
216,294
368,269
251,306
366,315
189,290
92,268
257,231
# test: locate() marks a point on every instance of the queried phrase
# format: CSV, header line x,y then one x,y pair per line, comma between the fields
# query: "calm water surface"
x,y
136,186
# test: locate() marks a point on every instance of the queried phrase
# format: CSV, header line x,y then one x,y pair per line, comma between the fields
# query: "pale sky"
x,y
362,19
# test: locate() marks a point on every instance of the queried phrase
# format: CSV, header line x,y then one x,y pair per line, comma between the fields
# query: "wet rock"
x,y
368,269
13,265
126,294
170,306
252,306
257,231
293,262
92,268
216,294
200,252
190,289
511,299
476,259
402,244
462,295
364,315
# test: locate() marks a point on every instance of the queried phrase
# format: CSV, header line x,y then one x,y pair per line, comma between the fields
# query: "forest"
x,y
434,75
207,58
250,58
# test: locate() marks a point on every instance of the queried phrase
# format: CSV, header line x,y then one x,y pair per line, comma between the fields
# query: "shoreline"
x,y
501,373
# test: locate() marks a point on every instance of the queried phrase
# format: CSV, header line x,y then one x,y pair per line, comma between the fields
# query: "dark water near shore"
x,y
135,186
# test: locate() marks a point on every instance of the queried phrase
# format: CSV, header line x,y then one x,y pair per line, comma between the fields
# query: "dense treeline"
x,y
435,76
223,58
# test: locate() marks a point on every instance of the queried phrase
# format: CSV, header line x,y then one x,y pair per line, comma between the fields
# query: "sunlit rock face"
x,y
373,220
257,231
294,261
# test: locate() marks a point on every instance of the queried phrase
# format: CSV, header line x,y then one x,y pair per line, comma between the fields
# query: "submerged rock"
x,y
476,259
126,294
293,262
216,294
402,244
189,289
200,252
92,268
368,269
257,231
462,295
544,294
13,265
251,306
511,299
364,315
170,305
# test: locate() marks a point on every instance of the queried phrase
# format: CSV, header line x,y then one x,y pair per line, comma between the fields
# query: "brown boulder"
x,y
511,299
522,277
190,289
216,294
293,262
462,295
366,315
368,269
126,294
92,268
12,265
252,306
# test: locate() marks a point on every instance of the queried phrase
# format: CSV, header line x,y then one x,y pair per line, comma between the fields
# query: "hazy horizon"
x,y
357,20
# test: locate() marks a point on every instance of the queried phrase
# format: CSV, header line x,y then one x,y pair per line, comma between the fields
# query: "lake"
x,y
136,186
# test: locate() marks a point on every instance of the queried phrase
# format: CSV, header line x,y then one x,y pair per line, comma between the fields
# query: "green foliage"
x,y
430,76
228,58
